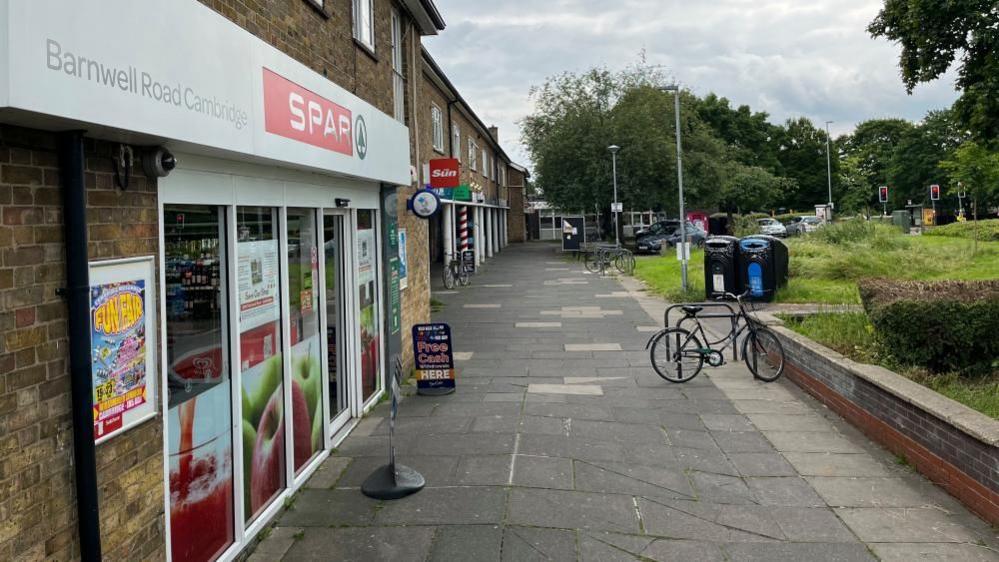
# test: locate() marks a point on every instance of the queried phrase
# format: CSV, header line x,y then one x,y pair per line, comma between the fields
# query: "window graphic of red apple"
x,y
268,454
301,425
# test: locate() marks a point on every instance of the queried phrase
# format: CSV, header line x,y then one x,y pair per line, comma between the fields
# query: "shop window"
x,y
306,346
199,383
369,299
339,382
263,424
364,23
437,123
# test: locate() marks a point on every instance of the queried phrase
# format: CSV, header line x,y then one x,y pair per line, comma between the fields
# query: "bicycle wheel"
x,y
765,355
448,277
592,262
674,355
463,277
625,262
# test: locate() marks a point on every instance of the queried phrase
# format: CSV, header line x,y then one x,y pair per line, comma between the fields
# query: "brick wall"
x,y
415,297
37,490
516,222
323,41
959,462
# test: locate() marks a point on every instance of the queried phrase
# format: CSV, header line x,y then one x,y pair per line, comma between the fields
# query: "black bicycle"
x,y
678,354
455,271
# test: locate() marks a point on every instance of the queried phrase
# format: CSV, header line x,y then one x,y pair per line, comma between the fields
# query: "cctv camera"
x,y
158,162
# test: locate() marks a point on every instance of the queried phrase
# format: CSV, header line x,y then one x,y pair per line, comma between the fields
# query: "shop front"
x,y
270,285
274,338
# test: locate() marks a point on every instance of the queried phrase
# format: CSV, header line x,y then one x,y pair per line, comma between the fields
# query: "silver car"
x,y
803,225
773,227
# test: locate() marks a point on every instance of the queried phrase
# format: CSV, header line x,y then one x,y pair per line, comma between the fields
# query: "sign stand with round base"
x,y
393,481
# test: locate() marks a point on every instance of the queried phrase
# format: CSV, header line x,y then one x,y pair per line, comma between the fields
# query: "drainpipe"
x,y
77,295
450,132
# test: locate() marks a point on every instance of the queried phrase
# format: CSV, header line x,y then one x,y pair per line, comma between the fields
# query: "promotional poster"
x,y
122,360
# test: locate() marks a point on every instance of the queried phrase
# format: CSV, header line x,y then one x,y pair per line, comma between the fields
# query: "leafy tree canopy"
x,y
933,34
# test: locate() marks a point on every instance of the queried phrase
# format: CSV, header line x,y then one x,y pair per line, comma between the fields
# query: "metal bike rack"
x,y
731,315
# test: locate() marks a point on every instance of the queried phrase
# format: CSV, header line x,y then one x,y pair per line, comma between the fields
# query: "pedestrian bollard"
x,y
393,481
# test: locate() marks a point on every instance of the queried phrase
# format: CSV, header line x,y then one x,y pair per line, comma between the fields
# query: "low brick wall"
x,y
954,446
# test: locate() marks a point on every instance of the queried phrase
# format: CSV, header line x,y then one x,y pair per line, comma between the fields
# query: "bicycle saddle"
x,y
691,310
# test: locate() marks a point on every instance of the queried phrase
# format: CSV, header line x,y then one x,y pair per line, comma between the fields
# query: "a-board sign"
x,y
434,358
468,261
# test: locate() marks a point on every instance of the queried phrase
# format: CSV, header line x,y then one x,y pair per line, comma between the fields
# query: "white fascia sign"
x,y
182,73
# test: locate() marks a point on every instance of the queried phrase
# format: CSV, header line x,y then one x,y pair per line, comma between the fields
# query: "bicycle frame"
x,y
748,323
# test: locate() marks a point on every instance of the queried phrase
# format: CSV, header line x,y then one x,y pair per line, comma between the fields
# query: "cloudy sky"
x,y
784,57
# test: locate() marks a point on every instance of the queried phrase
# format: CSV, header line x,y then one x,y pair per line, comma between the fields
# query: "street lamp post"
x,y
829,172
675,89
613,150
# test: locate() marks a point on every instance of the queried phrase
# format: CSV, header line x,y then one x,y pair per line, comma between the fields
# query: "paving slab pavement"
x,y
561,443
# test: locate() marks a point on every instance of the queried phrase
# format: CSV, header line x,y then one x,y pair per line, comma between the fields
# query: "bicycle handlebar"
x,y
732,296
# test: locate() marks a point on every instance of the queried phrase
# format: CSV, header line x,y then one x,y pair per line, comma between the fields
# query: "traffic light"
x,y
883,194
934,192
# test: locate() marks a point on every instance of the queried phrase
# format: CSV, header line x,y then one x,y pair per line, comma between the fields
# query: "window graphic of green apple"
x,y
270,379
249,444
306,389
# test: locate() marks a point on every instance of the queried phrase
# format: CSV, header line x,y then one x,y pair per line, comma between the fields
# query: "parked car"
x,y
773,227
801,225
660,227
653,243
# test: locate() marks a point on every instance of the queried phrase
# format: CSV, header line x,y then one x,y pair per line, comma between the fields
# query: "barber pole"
x,y
463,227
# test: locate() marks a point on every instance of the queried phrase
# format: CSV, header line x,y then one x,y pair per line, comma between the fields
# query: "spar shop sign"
x,y
434,358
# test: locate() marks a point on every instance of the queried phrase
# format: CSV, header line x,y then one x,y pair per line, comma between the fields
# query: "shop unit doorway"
x,y
272,326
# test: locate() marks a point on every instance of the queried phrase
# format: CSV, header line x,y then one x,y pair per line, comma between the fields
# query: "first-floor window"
x,y
364,23
473,154
456,142
398,88
437,122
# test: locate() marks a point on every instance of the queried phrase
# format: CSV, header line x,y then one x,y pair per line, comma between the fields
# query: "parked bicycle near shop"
x,y
678,354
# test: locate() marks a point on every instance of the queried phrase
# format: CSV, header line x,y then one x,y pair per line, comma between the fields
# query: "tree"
x,y
802,155
866,157
977,168
914,164
578,115
753,139
566,138
932,35
751,188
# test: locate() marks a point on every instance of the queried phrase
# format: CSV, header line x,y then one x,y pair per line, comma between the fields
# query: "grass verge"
x,y
826,265
852,335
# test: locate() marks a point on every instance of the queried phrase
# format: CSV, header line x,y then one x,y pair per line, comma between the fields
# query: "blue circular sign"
x,y
424,203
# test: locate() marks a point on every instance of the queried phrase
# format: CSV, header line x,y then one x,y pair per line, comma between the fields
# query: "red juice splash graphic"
x,y
201,500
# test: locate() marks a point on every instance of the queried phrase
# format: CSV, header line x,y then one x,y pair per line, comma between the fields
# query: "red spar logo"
x,y
293,112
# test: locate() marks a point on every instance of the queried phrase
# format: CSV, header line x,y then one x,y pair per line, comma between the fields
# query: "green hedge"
x,y
987,230
943,326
